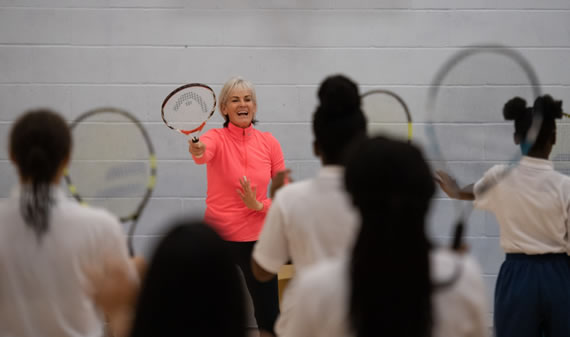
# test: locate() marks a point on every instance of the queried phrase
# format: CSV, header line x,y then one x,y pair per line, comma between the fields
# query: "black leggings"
x,y
265,295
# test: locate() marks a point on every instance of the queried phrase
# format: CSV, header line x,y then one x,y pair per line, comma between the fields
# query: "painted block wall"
x,y
73,55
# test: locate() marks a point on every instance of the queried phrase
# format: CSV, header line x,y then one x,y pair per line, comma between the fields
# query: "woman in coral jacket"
x,y
241,161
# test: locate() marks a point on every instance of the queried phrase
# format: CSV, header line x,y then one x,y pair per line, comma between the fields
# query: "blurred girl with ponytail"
x,y
394,283
47,242
532,205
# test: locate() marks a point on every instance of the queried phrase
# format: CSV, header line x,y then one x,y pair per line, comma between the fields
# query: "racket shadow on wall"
x,y
113,165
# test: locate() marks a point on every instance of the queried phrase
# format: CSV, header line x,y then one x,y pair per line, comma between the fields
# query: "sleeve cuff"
x,y
269,264
266,204
199,160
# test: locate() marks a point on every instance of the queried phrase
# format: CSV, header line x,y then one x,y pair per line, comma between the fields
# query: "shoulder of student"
x,y
93,219
294,190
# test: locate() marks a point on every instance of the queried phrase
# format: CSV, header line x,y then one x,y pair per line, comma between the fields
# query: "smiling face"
x,y
240,107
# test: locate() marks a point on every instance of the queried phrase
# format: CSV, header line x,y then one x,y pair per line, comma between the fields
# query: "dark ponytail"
x,y
338,118
391,185
40,142
549,109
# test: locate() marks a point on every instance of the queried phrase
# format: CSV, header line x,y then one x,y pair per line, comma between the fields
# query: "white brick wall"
x,y
73,55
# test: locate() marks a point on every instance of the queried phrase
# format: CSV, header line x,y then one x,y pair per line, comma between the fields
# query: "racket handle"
x,y
457,236
130,246
195,139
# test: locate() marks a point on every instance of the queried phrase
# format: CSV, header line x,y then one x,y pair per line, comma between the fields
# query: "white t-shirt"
x,y
308,221
320,297
531,203
43,287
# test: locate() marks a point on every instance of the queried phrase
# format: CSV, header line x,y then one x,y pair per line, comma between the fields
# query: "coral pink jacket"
x,y
232,153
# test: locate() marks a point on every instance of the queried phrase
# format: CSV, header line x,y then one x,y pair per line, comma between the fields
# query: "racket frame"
x,y
402,103
177,90
496,49
135,215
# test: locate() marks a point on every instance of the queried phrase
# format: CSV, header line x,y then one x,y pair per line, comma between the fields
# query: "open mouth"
x,y
242,113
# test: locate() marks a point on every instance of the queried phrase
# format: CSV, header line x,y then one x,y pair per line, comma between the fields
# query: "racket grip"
x,y
457,236
195,139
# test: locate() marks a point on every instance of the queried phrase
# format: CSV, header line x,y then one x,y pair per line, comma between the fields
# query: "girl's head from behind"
x,y
40,146
549,110
391,185
192,287
389,178
338,119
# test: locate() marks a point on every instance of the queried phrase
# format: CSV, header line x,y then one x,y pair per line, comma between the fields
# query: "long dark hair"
x,y
338,118
391,185
516,110
40,143
192,287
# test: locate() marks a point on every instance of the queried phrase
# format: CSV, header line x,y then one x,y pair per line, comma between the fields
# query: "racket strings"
x,y
125,170
188,108
111,166
387,114
187,98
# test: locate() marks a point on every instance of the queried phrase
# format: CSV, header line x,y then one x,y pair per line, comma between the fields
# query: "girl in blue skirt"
x,y
531,204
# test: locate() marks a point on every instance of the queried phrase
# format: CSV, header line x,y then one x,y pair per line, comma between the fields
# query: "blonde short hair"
x,y
230,85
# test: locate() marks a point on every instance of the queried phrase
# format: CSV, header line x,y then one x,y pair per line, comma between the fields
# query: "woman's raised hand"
x,y
248,195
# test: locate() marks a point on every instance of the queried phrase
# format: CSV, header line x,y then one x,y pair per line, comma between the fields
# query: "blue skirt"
x,y
532,296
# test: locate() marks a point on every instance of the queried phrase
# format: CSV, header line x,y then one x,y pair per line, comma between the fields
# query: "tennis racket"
x,y
387,114
113,165
187,109
465,128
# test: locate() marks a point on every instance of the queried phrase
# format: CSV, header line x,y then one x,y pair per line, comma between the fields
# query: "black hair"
x,y
40,143
549,109
192,287
391,185
338,119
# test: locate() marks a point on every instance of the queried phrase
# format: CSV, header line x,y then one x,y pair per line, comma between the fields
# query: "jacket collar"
x,y
239,133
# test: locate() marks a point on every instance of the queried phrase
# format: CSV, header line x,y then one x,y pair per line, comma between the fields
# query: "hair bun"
x,y
514,109
550,108
339,94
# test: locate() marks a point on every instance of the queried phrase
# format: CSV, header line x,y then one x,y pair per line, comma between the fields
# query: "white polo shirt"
x,y
43,288
308,221
531,204
321,295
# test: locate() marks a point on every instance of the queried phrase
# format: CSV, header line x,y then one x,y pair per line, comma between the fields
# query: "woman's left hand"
x,y
248,195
